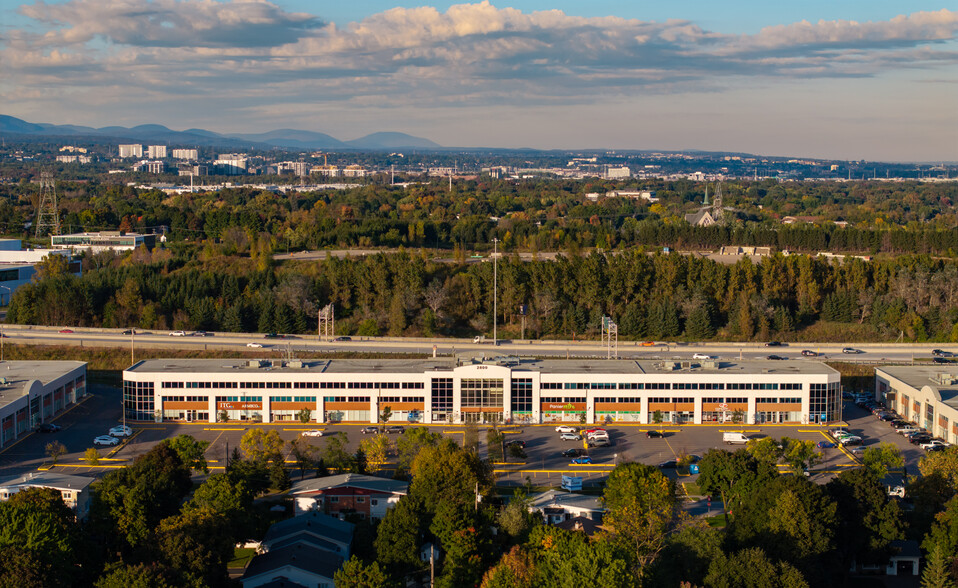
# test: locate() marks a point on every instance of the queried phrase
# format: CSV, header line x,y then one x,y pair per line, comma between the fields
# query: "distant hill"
x,y
159,134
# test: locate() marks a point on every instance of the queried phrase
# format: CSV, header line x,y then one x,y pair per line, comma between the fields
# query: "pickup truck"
x,y
906,429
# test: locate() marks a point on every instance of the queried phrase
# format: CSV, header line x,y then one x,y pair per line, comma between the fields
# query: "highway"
x,y
90,337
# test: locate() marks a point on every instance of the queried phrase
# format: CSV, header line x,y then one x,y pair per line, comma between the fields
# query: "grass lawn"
x,y
692,489
241,557
716,521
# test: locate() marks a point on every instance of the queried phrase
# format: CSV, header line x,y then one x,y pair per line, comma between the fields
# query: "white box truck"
x,y
735,438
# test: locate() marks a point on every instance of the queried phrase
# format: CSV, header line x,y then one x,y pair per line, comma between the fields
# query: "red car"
x,y
66,330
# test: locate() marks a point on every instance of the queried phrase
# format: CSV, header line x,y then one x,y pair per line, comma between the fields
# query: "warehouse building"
x,y
504,389
33,392
926,395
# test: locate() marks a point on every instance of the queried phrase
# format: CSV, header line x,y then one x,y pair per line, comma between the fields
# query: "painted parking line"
x,y
303,430
223,429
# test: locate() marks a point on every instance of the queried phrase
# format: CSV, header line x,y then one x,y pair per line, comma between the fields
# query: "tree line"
x,y
649,296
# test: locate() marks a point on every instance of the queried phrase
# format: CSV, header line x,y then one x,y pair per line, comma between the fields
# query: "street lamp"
x,y
495,290
9,293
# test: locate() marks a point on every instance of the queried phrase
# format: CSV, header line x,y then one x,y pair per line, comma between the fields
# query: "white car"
x,y
566,429
570,437
840,433
178,334
851,440
254,345
933,445
106,440
121,431
906,429
312,433
701,356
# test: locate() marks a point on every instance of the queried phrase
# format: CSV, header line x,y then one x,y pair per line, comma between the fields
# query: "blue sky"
x,y
842,79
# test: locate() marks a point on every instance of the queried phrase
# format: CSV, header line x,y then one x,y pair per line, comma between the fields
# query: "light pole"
x,y
9,293
495,291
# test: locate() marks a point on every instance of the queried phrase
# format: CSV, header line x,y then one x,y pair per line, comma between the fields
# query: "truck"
x,y
735,438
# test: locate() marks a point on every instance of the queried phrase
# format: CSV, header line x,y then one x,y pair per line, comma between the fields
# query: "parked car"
x,y
934,445
887,416
254,345
851,350
701,356
570,437
938,447
370,430
600,442
343,339
517,442
776,357
851,440
178,334
654,434
395,429
839,433
585,459
566,429
312,433
898,423
826,445
121,431
571,452
809,353
106,440
47,428
907,429
919,438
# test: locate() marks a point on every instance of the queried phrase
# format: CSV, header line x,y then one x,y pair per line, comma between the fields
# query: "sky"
x,y
846,79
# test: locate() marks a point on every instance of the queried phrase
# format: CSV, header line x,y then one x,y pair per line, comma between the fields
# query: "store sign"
x,y
239,406
566,406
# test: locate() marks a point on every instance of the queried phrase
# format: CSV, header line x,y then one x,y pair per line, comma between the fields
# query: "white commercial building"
x,y
926,395
33,392
500,390
102,241
131,151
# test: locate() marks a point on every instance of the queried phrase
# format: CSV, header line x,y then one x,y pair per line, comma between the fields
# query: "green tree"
x,y
355,574
397,315
191,452
944,463
516,569
495,441
142,575
463,542
54,450
752,568
867,520
261,445
686,556
640,502
51,266
944,532
198,544
386,414
38,529
305,454
305,415
937,572
447,473
733,476
410,442
766,449
881,458
800,454
336,454
515,518
92,456
398,537
376,449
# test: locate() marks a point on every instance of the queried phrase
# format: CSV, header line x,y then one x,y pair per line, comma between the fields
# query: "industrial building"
x,y
926,395
33,392
102,241
505,389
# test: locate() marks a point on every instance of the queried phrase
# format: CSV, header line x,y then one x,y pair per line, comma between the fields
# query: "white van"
x,y
735,438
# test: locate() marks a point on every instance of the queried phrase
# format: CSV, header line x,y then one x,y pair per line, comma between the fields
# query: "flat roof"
x,y
919,376
48,480
16,375
546,366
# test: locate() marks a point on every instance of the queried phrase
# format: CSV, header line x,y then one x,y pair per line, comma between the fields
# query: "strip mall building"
x,y
501,390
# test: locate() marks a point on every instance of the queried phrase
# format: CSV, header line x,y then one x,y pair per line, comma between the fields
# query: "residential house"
x,y
73,489
291,566
365,496
557,506
318,530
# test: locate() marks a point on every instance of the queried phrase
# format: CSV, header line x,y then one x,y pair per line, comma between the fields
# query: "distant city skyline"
x,y
848,80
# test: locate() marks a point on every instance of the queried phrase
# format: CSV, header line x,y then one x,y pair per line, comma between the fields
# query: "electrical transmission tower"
x,y
610,337
48,216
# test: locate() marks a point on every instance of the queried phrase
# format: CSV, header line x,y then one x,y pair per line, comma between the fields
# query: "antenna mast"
x,y
48,217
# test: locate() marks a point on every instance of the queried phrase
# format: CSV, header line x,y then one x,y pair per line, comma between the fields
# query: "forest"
x,y
150,527
650,296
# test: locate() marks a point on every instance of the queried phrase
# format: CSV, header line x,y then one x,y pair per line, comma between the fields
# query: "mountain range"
x,y
160,135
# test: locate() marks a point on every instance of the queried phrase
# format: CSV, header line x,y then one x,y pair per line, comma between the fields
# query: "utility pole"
x,y
495,290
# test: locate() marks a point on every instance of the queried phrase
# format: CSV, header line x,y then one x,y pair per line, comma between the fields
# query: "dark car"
x,y
774,344
129,332
342,339
941,353
888,416
654,434
518,442
670,464
202,334
917,438
898,423
47,428
940,360
571,453
370,430
776,357
809,353
395,429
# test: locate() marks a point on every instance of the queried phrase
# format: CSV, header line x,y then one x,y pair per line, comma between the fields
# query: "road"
x,y
871,353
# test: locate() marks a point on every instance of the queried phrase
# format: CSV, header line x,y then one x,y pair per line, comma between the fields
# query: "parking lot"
x,y
543,465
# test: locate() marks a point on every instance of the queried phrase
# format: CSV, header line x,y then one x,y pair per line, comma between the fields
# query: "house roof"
x,y
313,522
906,548
300,556
47,480
557,498
583,524
281,583
307,538
351,481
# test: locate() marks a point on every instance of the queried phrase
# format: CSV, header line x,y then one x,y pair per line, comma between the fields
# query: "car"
x,y
600,442
934,445
596,431
940,360
395,429
851,440
919,438
826,445
898,423
941,353
776,357
254,345
839,433
887,416
566,429
202,334
129,332
121,431
178,334
774,344
670,464
516,442
851,350
809,353
369,430
571,452
343,339
654,434
585,459
106,440
47,428
66,330
701,356
907,429
312,433
570,437
939,447
648,344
